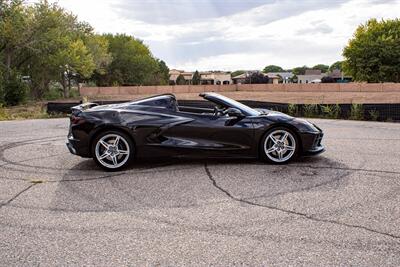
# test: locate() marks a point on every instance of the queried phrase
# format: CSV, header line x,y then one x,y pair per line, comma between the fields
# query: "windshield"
x,y
233,103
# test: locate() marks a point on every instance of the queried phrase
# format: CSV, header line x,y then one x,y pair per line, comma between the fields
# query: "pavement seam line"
x,y
17,195
291,212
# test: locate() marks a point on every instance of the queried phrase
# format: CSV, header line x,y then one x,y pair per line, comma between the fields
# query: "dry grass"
x,y
27,111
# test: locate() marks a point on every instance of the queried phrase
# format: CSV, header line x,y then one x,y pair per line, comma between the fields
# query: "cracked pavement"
x,y
339,208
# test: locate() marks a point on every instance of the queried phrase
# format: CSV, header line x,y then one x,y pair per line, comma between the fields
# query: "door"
x,y
215,136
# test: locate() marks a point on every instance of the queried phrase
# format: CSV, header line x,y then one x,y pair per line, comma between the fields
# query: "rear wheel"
x,y
279,145
112,150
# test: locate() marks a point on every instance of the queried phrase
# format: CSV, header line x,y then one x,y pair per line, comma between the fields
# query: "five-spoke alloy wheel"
x,y
112,150
279,145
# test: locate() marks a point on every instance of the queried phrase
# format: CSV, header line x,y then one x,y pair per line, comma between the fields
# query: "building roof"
x,y
310,77
313,72
283,75
272,76
337,74
240,76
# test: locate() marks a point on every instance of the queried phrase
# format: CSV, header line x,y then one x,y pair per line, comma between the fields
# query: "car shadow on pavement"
x,y
167,183
152,163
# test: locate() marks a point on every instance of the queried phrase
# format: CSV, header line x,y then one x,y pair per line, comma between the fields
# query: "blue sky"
x,y
234,34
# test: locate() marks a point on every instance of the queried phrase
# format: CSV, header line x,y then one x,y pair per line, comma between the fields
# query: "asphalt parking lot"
x,y
339,208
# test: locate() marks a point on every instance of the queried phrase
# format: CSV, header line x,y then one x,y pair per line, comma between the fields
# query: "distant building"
x,y
273,77
206,77
338,76
215,77
241,78
173,75
280,77
311,76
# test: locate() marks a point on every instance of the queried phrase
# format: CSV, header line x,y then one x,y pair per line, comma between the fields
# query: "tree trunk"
x,y
8,63
64,85
69,83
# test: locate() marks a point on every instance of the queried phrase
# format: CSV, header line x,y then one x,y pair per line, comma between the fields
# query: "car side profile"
x,y
115,135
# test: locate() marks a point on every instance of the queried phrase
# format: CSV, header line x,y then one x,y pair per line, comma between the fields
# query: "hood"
x,y
274,115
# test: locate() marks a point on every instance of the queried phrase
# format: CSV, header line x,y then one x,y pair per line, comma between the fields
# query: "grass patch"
x,y
27,111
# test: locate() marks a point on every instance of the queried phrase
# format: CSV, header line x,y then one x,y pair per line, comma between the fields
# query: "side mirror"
x,y
234,112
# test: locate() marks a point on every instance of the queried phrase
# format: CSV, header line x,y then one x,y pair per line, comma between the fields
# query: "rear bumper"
x,y
76,148
71,148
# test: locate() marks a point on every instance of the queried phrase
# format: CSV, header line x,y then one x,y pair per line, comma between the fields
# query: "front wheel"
x,y
112,150
279,145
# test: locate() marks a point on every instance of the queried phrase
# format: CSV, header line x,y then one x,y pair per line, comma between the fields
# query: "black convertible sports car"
x,y
114,135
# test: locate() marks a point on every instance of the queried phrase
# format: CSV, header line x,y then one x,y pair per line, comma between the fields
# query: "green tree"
x,y
180,80
372,55
14,32
98,48
72,61
272,68
196,78
256,78
59,51
300,70
162,75
336,66
237,72
323,68
132,63
46,43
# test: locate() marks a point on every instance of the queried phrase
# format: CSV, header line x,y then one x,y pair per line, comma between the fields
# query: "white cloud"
x,y
286,32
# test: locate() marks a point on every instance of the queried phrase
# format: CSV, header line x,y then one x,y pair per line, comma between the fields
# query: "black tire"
x,y
268,158
126,142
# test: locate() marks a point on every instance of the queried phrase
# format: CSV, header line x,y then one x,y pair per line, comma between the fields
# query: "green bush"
x,y
310,110
74,93
292,109
2,81
55,92
331,111
3,113
15,90
357,112
374,114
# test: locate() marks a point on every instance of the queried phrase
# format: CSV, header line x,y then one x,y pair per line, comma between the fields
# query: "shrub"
x,y
74,93
310,110
292,109
331,111
3,114
1,91
327,79
55,92
15,90
374,114
356,112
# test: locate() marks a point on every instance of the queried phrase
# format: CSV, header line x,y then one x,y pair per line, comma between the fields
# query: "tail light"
x,y
76,120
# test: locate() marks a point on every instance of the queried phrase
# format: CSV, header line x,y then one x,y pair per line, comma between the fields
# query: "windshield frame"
x,y
229,102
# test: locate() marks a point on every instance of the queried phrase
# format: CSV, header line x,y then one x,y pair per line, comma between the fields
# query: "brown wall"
x,y
321,87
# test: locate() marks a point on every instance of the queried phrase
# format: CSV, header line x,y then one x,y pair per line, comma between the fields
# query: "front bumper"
x,y
315,151
312,143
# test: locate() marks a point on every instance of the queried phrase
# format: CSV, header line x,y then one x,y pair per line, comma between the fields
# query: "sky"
x,y
235,34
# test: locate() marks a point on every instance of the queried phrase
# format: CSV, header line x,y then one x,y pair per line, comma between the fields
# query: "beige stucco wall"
x,y
334,92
